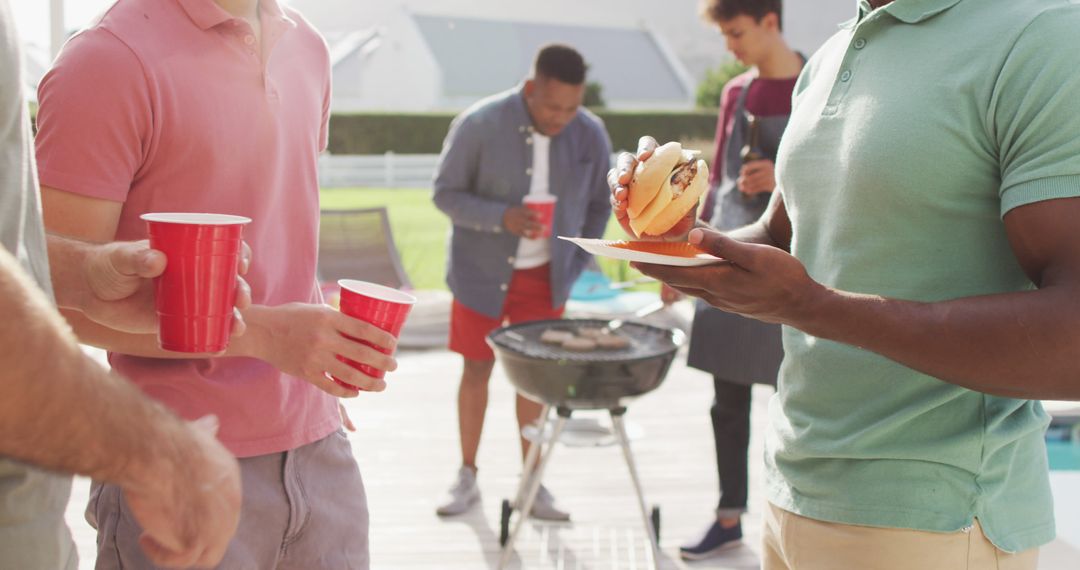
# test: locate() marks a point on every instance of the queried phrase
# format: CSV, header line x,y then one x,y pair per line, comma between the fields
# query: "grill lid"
x,y
646,341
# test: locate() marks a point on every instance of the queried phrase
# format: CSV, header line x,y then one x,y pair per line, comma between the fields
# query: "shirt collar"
x,y
907,11
206,13
915,11
272,8
521,111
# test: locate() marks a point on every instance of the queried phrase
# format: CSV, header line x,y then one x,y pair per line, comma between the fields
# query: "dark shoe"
x,y
716,540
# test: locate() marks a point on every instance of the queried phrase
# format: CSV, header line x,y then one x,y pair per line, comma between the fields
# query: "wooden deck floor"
x,y
407,449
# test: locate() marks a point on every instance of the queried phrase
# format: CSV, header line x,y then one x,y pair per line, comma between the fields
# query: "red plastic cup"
x,y
195,295
544,204
381,306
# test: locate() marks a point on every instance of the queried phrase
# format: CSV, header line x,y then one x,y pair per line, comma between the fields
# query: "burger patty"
x,y
682,176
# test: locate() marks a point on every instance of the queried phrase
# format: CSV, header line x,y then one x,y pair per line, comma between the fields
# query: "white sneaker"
x,y
544,507
462,496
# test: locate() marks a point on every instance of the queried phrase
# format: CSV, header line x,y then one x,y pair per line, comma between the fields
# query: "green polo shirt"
x,y
914,130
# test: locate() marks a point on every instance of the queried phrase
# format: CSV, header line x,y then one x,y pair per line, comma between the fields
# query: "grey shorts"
x,y
303,509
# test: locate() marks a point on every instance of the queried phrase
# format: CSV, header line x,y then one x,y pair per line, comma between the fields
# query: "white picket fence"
x,y
388,170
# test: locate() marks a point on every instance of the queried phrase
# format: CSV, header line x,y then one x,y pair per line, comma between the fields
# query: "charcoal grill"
x,y
566,381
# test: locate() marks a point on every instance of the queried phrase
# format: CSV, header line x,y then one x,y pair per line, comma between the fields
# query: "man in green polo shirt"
x,y
929,196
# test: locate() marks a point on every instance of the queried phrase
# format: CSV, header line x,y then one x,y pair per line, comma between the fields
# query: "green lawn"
x,y
420,231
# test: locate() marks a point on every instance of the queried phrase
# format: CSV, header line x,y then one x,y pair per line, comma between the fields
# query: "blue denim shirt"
x,y
486,167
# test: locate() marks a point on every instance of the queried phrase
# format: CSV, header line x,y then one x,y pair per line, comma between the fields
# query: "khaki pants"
x,y
793,542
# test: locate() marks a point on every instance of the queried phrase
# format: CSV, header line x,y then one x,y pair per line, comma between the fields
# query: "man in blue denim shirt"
x,y
533,140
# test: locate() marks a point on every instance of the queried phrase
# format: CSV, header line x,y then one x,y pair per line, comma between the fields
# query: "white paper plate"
x,y
679,254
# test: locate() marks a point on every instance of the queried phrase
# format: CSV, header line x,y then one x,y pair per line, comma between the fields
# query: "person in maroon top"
x,y
740,352
768,97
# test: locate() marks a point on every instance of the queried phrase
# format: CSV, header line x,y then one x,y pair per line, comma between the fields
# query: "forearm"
x,y
756,232
1021,345
773,228
67,258
61,410
469,210
100,336
146,345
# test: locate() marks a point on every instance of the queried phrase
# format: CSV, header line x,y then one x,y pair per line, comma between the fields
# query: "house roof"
x,y
478,57
345,45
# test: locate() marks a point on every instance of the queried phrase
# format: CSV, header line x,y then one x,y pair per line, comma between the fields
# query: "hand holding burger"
x,y
655,194
664,188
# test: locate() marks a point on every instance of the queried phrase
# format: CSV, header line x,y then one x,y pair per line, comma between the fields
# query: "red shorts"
x,y
527,299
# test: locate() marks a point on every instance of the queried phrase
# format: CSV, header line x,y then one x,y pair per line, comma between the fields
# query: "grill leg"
x,y
624,442
525,508
530,458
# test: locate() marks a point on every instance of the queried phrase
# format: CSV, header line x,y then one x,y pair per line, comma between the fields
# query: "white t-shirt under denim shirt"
x,y
536,252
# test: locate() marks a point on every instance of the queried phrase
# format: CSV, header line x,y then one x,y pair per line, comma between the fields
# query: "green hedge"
x,y
423,133
376,133
626,128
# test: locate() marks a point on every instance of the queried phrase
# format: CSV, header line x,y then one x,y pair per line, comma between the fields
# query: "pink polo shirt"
x,y
169,106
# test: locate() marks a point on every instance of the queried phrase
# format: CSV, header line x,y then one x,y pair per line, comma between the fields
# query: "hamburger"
x,y
664,188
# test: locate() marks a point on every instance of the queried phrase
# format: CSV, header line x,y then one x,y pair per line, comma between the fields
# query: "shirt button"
x,y
528,141
249,40
528,172
860,43
510,260
845,76
503,287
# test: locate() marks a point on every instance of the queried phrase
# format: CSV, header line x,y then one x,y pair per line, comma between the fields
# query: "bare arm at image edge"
x,y
62,411
58,402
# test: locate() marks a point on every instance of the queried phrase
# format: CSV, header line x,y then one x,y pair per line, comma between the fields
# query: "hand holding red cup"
x,y
381,306
544,205
195,295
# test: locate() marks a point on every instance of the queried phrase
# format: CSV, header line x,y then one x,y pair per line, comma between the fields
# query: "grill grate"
x,y
646,341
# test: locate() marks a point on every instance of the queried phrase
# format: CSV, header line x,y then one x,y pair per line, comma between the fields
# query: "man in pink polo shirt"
x,y
220,106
